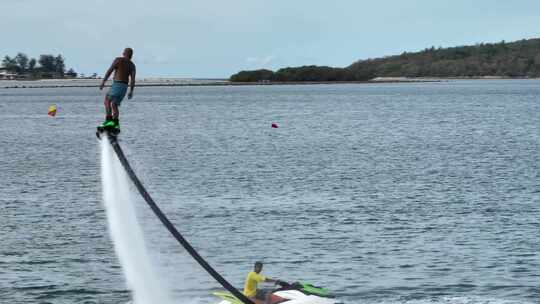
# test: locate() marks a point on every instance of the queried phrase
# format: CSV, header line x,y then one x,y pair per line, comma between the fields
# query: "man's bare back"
x,y
123,69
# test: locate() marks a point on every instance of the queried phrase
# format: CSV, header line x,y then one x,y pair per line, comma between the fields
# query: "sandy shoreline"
x,y
180,82
174,82
93,83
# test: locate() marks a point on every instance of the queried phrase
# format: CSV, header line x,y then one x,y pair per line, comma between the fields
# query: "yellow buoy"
x,y
52,110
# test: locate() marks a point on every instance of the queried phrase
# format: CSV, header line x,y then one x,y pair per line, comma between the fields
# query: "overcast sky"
x,y
200,38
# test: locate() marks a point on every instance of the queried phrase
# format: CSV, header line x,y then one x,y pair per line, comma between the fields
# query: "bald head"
x,y
128,53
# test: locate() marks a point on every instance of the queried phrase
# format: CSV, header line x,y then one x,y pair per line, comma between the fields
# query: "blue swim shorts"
x,y
117,92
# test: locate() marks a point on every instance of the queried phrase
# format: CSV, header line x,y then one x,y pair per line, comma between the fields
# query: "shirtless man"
x,y
124,70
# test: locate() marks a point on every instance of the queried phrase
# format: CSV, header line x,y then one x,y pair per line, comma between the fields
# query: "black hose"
x,y
171,227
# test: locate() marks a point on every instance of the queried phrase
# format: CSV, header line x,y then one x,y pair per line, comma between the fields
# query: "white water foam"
x,y
126,233
451,300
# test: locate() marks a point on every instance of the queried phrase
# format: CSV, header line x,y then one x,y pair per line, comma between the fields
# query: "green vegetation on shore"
x,y
515,59
47,66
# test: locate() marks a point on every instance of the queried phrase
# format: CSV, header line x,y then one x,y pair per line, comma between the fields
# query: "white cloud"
x,y
152,59
260,61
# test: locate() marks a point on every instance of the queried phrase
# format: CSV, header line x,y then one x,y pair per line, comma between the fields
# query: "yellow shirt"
x,y
252,279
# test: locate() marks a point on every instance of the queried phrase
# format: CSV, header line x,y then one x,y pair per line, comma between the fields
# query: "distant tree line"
x,y
515,59
47,66
303,73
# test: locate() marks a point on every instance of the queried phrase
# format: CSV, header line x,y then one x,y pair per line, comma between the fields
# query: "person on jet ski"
x,y
252,280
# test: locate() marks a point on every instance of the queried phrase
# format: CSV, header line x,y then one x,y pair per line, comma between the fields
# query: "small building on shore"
x,y
7,75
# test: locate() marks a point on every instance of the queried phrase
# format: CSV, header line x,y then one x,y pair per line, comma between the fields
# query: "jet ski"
x,y
288,293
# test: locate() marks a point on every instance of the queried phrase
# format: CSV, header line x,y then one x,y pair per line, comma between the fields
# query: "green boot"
x,y
108,124
116,124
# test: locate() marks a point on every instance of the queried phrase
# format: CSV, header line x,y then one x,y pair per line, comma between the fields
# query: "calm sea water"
x,y
386,193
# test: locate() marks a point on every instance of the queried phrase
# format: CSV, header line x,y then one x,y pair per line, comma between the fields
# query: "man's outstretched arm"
x,y
270,280
132,82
